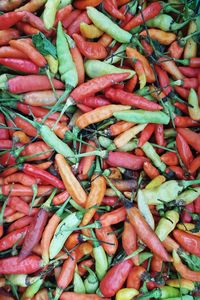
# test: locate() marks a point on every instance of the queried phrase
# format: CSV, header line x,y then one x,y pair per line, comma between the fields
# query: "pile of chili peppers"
x,y
99,150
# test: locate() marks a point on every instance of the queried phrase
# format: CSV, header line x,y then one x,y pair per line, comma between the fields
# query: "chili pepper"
x,y
170,67
115,278
165,38
24,221
150,170
10,52
132,53
187,241
10,239
91,282
19,205
106,25
111,243
21,65
181,121
185,216
126,294
90,31
145,233
166,23
76,296
185,272
125,98
190,49
175,50
40,148
142,116
80,5
71,183
129,241
7,5
184,150
78,283
119,127
157,181
163,80
49,13
125,160
112,9
69,20
7,35
94,68
194,111
95,85
188,71
146,134
131,84
22,84
14,265
4,133
43,175
190,137
75,25
36,228
170,158
189,195
68,71
161,293
114,217
61,235
32,5
167,224
86,162
66,274
195,164
20,136
27,48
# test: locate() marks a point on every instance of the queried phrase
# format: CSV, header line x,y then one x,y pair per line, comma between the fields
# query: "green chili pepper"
x,y
108,26
67,67
161,293
167,224
141,116
188,196
94,68
63,231
116,56
22,279
144,256
186,297
145,210
50,12
78,284
101,262
166,23
130,146
33,289
153,155
91,282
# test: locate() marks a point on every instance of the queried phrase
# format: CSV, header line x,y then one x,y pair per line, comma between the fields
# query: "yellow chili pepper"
x,y
53,63
167,224
181,283
90,31
155,182
190,49
126,294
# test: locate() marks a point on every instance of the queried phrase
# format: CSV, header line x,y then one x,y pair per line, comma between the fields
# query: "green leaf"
x,y
44,45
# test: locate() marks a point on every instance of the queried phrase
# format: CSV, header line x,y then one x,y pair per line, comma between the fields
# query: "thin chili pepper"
x,y
63,13
184,122
135,276
129,241
19,205
32,5
194,109
187,241
189,72
27,28
191,137
75,25
184,93
148,13
22,65
22,222
170,67
175,50
165,38
146,134
195,165
111,243
190,49
7,35
112,9
184,150
80,5
4,133
183,270
10,239
150,170
131,84
159,136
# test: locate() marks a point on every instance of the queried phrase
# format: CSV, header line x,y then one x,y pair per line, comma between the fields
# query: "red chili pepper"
x,y
156,264
111,7
184,122
148,50
63,14
70,19
163,80
83,4
4,132
190,83
75,25
197,205
125,98
91,50
146,134
131,84
20,223
107,235
182,107
43,175
184,150
177,170
170,159
191,137
115,278
146,14
95,85
129,241
170,67
189,242
21,123
14,265
159,136
27,28
95,101
145,233
10,239
126,160
22,190
195,165
19,205
134,277
60,198
113,217
23,84
184,93
109,200
87,262
40,148
22,65
150,170
175,50
185,216
189,72
7,35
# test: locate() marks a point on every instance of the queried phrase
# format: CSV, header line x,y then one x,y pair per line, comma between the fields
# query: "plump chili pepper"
x,y
184,122
74,27
107,235
185,272
135,277
13,237
49,13
108,26
170,158
115,278
150,170
90,31
131,99
4,133
175,50
167,224
191,137
129,241
14,265
126,294
36,228
22,65
112,9
148,13
22,222
146,234
125,160
7,35
187,241
189,72
165,38
170,67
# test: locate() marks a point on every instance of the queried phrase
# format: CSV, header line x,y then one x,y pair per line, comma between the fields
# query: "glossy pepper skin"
x,y
189,242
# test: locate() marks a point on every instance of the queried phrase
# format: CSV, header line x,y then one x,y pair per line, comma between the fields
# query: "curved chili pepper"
x,y
187,241
129,241
14,265
111,8
191,137
184,150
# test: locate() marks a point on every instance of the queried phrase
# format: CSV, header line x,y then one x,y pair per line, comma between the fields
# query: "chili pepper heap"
x,y
99,150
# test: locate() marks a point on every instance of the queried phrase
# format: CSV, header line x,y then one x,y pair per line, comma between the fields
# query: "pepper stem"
x,y
47,204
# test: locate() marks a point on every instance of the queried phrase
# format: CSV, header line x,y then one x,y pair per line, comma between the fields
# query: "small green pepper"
x,y
161,293
78,283
166,23
91,282
167,224
141,116
153,155
49,13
